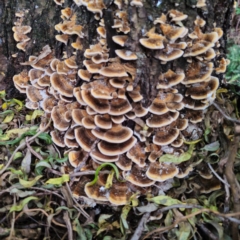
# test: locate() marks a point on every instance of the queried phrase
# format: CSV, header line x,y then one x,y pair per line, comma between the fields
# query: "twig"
x,y
81,209
23,145
12,231
224,114
164,229
32,151
227,196
138,232
77,169
78,174
208,233
44,212
48,191
69,225
219,178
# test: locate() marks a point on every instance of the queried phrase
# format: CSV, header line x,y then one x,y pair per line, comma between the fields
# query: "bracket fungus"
x,y
98,107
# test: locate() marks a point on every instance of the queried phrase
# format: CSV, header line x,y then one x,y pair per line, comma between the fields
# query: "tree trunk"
x,y
43,15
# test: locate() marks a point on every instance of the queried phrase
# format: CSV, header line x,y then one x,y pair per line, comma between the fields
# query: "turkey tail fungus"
x,y
128,90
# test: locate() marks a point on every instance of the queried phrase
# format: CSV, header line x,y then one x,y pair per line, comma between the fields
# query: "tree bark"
x,y
43,15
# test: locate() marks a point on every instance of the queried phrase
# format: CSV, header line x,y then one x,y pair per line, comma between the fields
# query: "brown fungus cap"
x,y
59,2
199,47
103,121
126,54
67,12
71,62
177,143
139,110
96,192
159,171
84,75
96,7
120,39
84,138
169,79
136,3
48,104
194,116
209,54
62,38
176,16
203,90
137,155
112,149
173,32
102,31
96,154
119,193
199,22
59,115
101,89
113,70
60,83
201,3
78,115
32,105
169,54
78,95
98,105
58,138
162,19
88,122
119,107
153,43
182,124
93,50
100,58
222,66
124,163
118,119
158,107
156,121
33,94
197,72
21,80
117,134
164,137
44,81
76,157
137,176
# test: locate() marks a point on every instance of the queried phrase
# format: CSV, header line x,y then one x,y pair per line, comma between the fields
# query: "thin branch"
x,y
164,229
48,191
224,114
80,207
32,151
219,178
69,225
12,231
138,232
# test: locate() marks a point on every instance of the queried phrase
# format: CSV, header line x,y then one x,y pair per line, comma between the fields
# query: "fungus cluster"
x,y
21,31
97,110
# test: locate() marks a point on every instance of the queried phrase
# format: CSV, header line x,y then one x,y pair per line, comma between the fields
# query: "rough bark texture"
x,y
44,14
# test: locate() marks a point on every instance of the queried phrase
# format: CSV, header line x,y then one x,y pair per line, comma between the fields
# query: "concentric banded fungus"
x,y
137,176
106,117
170,79
160,172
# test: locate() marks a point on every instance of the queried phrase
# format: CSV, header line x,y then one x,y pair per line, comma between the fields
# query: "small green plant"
x,y
233,69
